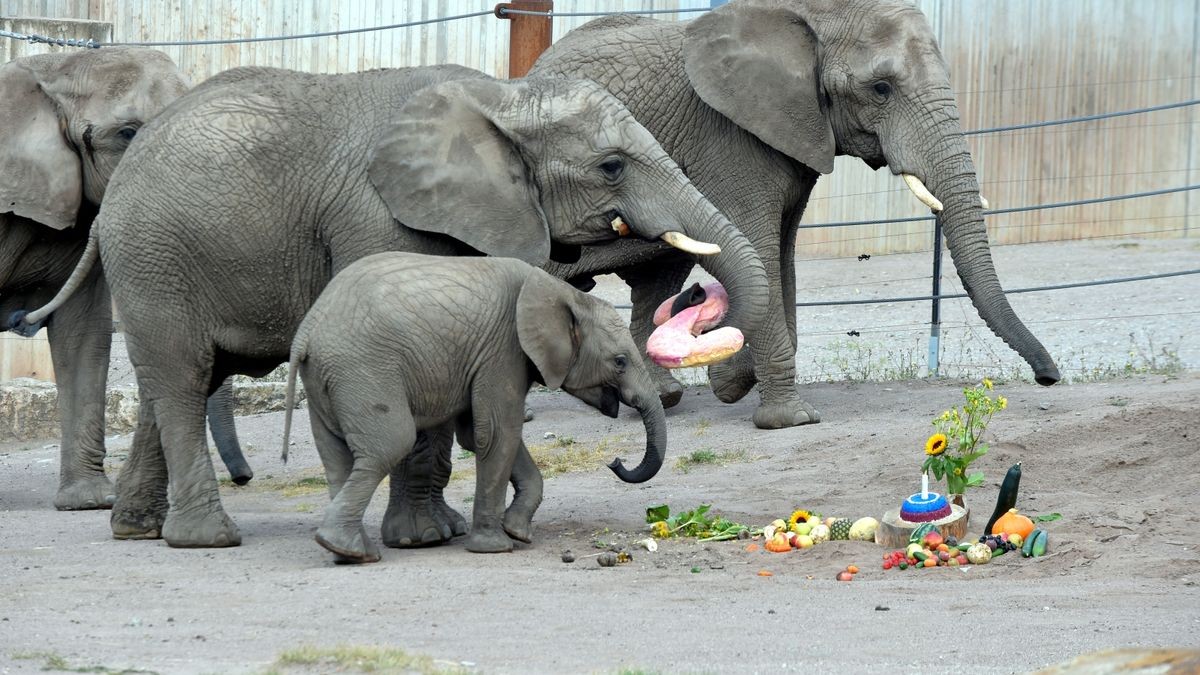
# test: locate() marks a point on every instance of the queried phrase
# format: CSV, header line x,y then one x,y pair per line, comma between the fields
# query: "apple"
x,y
803,541
845,576
802,527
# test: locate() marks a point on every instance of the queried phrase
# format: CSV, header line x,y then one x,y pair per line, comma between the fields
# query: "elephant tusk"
x,y
922,193
984,203
685,243
620,227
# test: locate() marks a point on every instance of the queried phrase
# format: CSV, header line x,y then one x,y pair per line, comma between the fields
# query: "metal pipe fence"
x,y
935,297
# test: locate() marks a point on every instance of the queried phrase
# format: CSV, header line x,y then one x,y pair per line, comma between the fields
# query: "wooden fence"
x,y
1011,61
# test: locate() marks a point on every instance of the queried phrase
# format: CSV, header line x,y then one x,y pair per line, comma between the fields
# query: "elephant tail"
x,y
91,253
289,403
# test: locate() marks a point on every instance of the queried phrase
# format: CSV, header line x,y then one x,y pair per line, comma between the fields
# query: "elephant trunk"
x,y
645,400
734,262
739,270
954,184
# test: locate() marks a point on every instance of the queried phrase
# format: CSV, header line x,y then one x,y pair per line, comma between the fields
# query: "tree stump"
x,y
893,532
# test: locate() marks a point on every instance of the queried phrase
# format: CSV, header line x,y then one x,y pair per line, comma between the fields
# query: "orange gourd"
x,y
1013,523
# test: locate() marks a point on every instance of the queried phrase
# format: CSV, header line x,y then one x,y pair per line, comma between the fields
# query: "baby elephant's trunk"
x,y
655,421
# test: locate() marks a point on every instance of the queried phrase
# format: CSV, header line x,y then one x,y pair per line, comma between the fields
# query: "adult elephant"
x,y
240,202
65,122
754,100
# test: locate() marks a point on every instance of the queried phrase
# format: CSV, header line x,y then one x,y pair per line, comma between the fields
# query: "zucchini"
x,y
920,556
1039,543
1027,548
1008,496
964,547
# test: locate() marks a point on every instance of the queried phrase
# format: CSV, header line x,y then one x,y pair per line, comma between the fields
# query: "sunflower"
x,y
987,384
936,444
660,529
798,516
958,471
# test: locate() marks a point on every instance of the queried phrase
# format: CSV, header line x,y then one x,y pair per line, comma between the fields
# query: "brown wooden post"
x,y
528,36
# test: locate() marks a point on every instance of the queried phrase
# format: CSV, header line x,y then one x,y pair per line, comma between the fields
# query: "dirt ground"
x,y
1117,459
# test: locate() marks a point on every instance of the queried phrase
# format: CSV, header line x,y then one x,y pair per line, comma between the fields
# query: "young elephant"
x,y
399,343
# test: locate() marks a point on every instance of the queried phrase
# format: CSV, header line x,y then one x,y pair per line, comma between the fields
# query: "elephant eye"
x,y
883,89
612,168
621,362
127,133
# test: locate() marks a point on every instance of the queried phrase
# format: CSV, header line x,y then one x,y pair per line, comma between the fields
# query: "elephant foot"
x,y
488,541
528,414
92,492
213,529
783,415
412,525
670,394
519,526
137,522
349,547
733,379
448,516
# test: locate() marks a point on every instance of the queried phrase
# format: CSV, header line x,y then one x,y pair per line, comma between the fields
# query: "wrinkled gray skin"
x,y
65,122
244,198
753,100
399,342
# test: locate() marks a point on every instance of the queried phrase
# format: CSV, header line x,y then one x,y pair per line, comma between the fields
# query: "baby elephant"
x,y
399,343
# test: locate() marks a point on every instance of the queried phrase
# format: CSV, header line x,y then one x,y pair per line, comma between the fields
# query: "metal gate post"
x,y
528,36
935,325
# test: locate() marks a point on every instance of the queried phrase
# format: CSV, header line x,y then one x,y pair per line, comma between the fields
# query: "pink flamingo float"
x,y
680,341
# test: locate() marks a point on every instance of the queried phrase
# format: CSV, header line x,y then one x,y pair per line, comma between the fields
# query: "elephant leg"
x,y
196,518
220,424
771,360
141,505
417,512
649,285
527,487
379,442
80,335
338,461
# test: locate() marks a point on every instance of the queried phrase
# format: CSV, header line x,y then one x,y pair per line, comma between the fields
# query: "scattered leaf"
x,y
751,548
1046,517
765,573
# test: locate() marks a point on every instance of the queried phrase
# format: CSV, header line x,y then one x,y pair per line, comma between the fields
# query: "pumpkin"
x,y
1013,523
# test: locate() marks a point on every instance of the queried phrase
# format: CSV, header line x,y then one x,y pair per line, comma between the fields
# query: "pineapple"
x,y
840,529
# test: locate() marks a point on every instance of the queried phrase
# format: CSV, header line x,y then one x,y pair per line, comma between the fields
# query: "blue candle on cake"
x,y
925,506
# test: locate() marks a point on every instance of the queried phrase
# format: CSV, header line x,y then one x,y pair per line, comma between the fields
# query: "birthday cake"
x,y
924,507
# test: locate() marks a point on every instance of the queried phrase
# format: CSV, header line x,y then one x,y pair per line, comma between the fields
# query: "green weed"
x,y
708,457
365,659
58,663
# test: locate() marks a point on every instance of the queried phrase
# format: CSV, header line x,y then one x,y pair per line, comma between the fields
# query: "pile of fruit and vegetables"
x,y
805,530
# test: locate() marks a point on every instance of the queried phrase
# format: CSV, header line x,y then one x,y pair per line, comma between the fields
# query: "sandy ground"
x,y
1117,458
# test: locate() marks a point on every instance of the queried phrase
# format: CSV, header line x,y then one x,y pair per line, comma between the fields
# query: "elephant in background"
x,y
65,122
501,325
237,206
754,99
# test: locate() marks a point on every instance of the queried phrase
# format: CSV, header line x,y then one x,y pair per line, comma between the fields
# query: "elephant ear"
x,y
448,166
546,326
757,65
40,176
